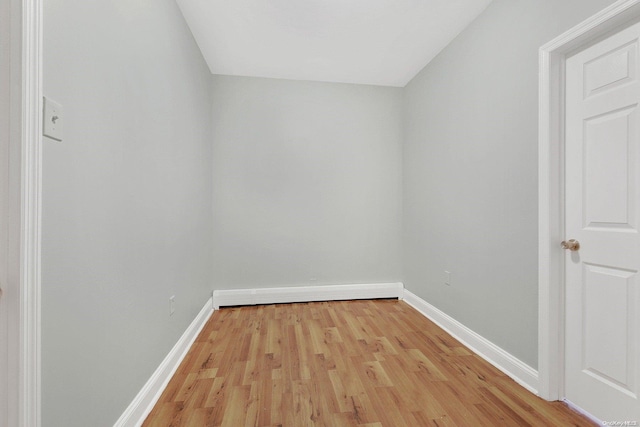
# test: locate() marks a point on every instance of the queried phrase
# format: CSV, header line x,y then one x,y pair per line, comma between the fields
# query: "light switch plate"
x,y
53,119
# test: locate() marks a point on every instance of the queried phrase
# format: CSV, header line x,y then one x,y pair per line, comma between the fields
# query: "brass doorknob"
x,y
572,245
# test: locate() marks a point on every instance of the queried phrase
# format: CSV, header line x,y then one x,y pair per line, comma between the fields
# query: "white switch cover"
x,y
53,119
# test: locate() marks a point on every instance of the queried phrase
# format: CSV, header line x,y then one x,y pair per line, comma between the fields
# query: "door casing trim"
x,y
26,183
552,57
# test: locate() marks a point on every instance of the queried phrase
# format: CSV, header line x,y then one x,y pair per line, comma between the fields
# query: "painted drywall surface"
x,y
10,168
5,110
470,171
5,106
306,183
126,203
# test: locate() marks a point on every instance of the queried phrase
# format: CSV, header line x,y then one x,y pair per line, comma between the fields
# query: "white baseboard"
x,y
146,399
233,297
519,371
579,410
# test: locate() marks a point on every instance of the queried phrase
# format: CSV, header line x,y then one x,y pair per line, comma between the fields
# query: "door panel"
x,y
613,68
608,199
607,347
602,206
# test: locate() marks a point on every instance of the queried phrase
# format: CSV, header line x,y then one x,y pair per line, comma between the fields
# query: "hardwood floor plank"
x,y
340,395
376,373
373,363
252,409
235,411
216,393
388,410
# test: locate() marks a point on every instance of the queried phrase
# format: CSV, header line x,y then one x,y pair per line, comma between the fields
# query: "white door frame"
x,y
551,186
25,166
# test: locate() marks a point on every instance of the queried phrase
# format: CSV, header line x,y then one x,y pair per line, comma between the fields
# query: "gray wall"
x,y
470,171
306,183
127,201
5,108
10,204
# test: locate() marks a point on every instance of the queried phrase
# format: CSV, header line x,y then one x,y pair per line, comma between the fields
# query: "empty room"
x,y
319,213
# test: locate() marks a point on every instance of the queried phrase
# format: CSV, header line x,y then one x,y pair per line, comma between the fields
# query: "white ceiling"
x,y
379,42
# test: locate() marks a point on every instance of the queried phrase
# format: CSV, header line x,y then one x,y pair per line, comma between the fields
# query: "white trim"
x,y
551,186
30,230
146,399
222,298
579,410
519,371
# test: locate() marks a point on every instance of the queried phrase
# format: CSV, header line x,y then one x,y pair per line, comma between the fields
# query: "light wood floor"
x,y
356,363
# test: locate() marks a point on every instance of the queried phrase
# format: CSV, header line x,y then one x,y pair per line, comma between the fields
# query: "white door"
x,y
602,353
